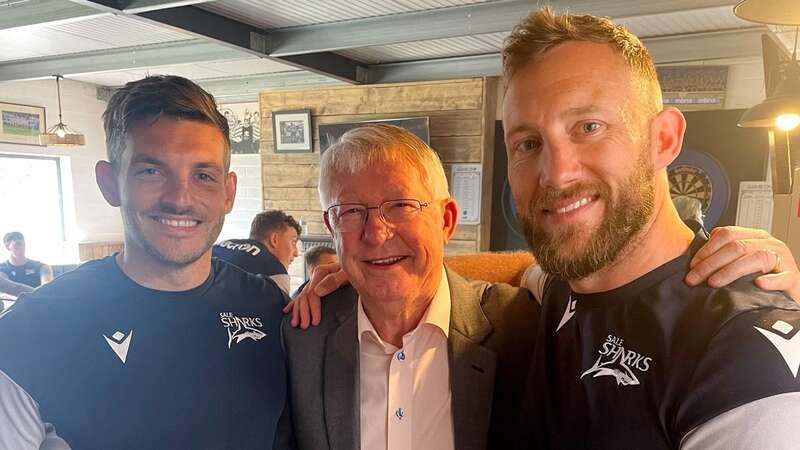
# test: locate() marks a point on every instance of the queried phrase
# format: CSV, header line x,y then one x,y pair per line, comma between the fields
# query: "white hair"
x,y
361,148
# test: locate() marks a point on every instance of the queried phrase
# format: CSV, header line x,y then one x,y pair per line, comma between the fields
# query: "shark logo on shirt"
x,y
241,328
615,361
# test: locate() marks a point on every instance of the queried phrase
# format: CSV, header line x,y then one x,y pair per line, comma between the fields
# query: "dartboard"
x,y
692,182
700,176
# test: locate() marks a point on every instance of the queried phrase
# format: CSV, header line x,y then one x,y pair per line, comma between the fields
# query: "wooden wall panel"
x,y
458,116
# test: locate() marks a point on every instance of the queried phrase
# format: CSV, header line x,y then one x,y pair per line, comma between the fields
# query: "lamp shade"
x,y
770,12
784,102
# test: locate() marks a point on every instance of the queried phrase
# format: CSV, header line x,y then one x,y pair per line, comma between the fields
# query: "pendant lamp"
x,y
60,133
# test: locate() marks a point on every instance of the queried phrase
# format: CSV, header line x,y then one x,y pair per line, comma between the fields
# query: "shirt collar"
x,y
437,314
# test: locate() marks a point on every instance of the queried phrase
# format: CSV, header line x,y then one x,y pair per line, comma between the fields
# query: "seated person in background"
x,y
315,256
20,269
270,249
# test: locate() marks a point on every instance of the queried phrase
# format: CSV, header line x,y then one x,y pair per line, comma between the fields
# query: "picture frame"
x,y
292,132
21,124
330,133
244,123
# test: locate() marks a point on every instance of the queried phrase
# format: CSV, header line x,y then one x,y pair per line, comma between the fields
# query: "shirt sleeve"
x,y
283,281
534,279
770,423
21,427
754,356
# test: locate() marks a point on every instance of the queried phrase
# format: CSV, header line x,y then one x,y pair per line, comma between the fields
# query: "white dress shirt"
x,y
405,392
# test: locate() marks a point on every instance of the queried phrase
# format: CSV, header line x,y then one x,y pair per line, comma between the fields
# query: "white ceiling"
x,y
270,14
55,43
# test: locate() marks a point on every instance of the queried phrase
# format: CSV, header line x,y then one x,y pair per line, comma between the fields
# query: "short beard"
x,y
165,256
623,220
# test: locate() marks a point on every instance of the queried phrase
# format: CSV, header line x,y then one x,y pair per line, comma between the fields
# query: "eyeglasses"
x,y
348,217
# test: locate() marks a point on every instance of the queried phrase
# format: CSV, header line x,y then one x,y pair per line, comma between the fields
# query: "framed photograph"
x,y
21,124
244,122
291,131
330,133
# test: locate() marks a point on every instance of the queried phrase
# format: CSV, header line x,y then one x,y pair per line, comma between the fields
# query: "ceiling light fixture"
x,y
60,133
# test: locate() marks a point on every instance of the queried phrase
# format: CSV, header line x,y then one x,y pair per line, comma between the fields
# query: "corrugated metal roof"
x,y
95,33
194,71
269,14
120,31
438,48
694,21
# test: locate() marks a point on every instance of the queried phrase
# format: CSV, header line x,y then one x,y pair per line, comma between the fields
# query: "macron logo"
x,y
570,311
120,343
789,348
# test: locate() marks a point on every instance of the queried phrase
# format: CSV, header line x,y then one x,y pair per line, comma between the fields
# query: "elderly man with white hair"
x,y
410,358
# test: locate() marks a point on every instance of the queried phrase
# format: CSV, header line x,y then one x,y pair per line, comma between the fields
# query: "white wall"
x,y
249,197
87,216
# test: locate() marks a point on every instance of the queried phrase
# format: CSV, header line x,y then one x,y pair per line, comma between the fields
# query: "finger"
x,y
331,283
713,262
296,312
780,281
787,281
761,261
718,238
315,307
289,306
305,314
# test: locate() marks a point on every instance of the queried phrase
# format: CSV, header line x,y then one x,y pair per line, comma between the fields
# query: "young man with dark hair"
x,y
270,249
158,346
19,269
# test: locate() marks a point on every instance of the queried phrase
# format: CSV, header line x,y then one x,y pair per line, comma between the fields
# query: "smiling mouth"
x,y
572,206
177,223
386,261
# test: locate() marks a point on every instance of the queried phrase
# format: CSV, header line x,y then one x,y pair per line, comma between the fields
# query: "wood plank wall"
x,y
462,115
88,251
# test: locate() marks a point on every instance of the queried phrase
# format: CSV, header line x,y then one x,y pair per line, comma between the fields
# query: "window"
x,y
32,203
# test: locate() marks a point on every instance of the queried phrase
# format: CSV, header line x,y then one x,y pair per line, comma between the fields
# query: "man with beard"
x,y
158,346
628,355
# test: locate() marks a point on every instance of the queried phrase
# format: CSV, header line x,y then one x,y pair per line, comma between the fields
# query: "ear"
x,y
230,190
107,181
666,137
449,218
272,240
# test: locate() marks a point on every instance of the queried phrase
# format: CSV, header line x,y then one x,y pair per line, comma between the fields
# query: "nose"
x,y
560,164
178,194
376,231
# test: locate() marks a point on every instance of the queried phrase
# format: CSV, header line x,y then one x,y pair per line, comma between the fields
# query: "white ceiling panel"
x,y
195,71
269,14
110,78
32,42
120,31
438,48
97,33
694,21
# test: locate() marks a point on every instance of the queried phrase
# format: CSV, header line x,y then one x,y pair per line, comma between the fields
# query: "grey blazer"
x,y
492,331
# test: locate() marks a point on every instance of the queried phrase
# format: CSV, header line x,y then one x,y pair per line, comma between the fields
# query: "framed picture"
x,y
21,124
330,133
291,131
244,122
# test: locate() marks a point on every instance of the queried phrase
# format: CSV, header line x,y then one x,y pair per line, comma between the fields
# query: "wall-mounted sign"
x,y
466,188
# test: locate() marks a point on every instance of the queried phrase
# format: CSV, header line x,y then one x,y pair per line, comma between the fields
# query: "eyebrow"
x,y
571,112
157,162
581,110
